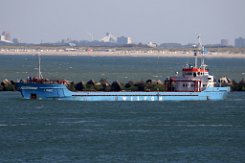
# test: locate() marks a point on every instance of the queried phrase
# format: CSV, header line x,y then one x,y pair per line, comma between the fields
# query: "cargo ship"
x,y
193,84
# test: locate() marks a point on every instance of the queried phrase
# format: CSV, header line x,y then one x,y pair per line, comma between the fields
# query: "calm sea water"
x,y
63,131
111,68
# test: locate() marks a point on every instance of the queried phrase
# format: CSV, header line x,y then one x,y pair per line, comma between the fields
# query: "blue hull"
x,y
60,92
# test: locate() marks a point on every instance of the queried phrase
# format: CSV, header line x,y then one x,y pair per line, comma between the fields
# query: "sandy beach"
x,y
117,53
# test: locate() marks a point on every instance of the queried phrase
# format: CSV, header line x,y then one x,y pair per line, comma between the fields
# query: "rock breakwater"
x,y
104,85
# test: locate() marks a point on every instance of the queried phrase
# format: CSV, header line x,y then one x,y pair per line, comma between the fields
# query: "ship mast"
x,y
195,54
201,49
40,76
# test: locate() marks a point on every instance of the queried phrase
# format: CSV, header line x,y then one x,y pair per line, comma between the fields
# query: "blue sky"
x,y
144,20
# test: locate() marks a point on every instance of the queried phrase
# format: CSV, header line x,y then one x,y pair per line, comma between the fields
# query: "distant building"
x,y
2,38
16,41
7,35
240,42
124,40
109,38
152,44
224,42
65,41
5,38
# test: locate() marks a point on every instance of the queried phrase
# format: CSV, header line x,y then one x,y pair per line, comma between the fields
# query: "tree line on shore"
x,y
104,85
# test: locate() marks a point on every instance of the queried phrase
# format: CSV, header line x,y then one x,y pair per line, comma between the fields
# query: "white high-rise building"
x,y
5,37
109,38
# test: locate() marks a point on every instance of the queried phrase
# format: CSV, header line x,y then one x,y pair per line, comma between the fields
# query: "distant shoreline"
x,y
122,52
113,54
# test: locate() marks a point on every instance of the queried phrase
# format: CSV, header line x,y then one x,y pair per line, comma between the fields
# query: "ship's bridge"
x,y
195,71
